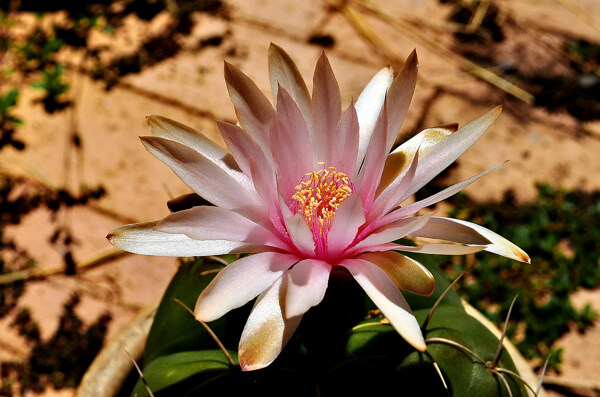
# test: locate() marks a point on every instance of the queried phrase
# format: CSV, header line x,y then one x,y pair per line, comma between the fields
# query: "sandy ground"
x,y
190,88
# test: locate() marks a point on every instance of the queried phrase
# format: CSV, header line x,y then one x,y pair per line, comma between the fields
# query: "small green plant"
x,y
8,121
54,88
563,260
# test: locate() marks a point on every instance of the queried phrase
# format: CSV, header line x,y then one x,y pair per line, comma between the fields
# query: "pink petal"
x,y
326,110
253,161
400,95
388,299
223,187
343,149
348,218
266,331
253,109
290,145
141,238
283,71
215,223
306,286
406,273
301,235
240,282
471,233
372,167
368,108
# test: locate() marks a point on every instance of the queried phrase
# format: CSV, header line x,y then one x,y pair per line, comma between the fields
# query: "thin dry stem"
x,y
516,376
442,296
98,258
438,370
499,349
457,345
437,46
503,378
210,331
543,374
139,371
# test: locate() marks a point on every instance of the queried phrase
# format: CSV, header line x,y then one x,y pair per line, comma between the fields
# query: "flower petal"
x,y
170,129
388,299
406,273
306,286
390,197
470,233
368,107
254,162
440,156
215,223
449,230
348,218
391,232
326,110
441,249
400,95
283,71
240,282
253,109
433,199
141,238
225,188
400,158
301,235
372,167
344,146
289,138
266,331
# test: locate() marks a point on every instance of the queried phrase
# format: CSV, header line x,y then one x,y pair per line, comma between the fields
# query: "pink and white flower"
x,y
306,187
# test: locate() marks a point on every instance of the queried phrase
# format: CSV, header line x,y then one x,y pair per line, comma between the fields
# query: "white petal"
x,y
348,218
388,299
440,196
368,107
266,331
141,238
163,127
301,235
454,230
441,249
225,188
441,155
215,223
392,232
306,286
241,281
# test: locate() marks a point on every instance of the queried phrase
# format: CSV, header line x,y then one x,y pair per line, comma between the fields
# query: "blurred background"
x,y
77,79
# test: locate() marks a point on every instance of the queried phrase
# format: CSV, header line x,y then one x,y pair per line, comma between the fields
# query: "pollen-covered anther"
x,y
318,196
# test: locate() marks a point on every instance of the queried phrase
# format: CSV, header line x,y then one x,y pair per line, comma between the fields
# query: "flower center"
x,y
317,198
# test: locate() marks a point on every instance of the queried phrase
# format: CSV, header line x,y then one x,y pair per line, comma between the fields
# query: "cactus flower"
x,y
306,187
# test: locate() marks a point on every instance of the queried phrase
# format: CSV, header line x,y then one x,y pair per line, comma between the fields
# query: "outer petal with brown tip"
x,y
267,330
406,273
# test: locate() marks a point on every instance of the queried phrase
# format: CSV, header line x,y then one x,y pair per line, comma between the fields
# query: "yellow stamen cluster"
x,y
318,197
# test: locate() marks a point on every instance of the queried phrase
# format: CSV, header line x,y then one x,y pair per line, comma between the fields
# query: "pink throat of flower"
x,y
317,198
